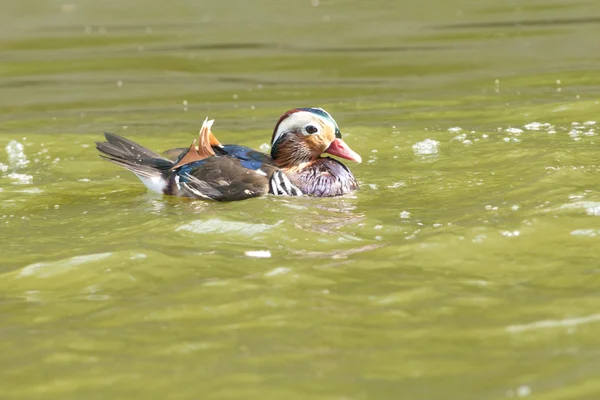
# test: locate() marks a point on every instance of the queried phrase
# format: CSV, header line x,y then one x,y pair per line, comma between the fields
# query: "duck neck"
x,y
292,154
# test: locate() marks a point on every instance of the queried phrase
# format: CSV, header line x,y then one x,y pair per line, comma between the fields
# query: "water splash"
x,y
16,159
537,126
16,154
20,179
427,147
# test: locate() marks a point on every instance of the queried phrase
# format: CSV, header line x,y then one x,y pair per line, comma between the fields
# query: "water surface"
x,y
465,268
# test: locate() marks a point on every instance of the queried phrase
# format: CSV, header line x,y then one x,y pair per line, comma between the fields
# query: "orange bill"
x,y
339,148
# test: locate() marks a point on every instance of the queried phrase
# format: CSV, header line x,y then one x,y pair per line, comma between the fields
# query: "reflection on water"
x,y
464,268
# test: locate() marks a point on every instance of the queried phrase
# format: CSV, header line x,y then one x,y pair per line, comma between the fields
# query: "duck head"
x,y
302,135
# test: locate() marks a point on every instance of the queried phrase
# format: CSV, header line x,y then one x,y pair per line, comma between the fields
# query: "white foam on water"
x,y
396,185
593,210
258,253
590,207
461,137
513,131
574,133
579,204
578,130
537,126
20,179
426,147
586,232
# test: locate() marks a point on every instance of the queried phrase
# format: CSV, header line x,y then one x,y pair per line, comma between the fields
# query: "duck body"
x,y
227,177
213,171
324,178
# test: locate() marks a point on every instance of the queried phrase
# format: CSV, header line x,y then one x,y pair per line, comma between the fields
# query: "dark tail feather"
x,y
132,156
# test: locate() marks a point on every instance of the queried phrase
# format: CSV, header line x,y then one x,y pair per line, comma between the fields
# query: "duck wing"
x,y
222,179
229,179
252,158
210,170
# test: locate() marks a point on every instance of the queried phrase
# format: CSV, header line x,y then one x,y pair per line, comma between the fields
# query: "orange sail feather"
x,y
200,148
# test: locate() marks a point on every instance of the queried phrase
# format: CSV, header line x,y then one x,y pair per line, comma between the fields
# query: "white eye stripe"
x,y
298,121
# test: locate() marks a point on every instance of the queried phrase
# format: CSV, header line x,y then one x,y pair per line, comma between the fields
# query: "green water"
x,y
465,268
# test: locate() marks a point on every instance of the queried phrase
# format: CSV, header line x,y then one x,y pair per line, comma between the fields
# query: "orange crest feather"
x,y
200,148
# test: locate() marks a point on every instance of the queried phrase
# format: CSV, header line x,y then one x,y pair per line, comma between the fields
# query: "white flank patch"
x,y
156,183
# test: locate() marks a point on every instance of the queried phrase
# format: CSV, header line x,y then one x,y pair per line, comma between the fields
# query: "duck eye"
x,y
311,129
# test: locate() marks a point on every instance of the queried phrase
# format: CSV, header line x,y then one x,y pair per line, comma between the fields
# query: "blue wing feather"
x,y
186,169
250,158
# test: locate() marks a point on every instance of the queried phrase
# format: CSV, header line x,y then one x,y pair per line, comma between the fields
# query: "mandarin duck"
x,y
211,170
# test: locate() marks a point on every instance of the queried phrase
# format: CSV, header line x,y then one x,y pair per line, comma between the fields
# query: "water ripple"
x,y
562,323
46,269
216,225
